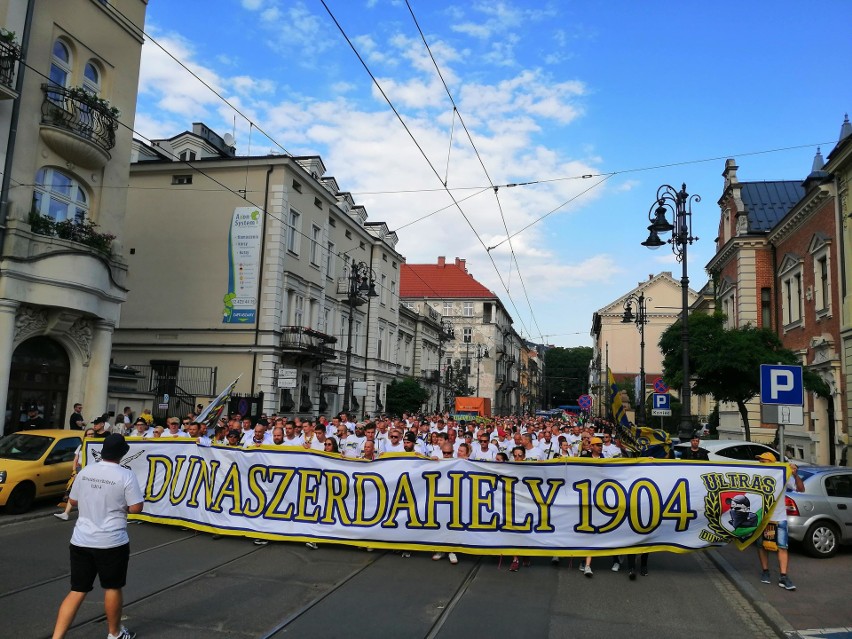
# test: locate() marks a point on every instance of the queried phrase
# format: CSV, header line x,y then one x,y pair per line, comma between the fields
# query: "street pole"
x,y
680,204
347,389
640,319
362,283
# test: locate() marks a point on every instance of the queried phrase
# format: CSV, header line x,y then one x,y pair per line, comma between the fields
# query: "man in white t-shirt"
x,y
531,452
173,430
395,444
610,450
484,450
547,445
104,492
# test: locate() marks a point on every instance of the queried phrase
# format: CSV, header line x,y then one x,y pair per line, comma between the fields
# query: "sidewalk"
x,y
819,607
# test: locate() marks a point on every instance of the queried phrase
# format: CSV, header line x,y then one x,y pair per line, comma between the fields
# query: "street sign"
x,y
660,386
662,405
781,414
584,402
781,385
287,377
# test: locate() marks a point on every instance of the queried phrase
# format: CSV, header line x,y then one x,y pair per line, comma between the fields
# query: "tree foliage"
x,y
726,363
456,381
405,396
566,372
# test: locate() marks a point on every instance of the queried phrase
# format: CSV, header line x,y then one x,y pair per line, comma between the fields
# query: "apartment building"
x,y
486,346
66,116
244,266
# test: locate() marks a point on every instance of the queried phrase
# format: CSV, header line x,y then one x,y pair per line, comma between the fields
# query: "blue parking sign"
x,y
781,385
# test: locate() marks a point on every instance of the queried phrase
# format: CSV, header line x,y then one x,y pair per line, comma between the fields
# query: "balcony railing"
x,y
308,340
80,113
10,53
190,381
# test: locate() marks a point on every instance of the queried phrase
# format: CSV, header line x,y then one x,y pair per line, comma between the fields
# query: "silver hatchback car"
x,y
821,516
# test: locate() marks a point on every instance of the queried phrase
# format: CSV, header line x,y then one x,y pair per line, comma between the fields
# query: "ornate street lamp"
x,y
361,285
481,352
640,318
680,204
445,333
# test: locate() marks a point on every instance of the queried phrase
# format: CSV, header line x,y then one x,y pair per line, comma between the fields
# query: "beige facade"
x,y
839,166
618,343
187,265
65,137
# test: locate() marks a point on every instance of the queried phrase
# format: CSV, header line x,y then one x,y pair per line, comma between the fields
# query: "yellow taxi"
x,y
35,464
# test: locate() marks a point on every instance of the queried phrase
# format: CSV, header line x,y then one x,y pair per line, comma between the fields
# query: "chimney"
x,y
442,261
461,264
730,172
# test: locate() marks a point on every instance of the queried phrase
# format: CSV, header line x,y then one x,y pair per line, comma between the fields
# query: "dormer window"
x,y
187,156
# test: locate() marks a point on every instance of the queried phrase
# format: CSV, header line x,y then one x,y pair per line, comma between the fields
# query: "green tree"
x,y
726,363
405,396
566,373
456,382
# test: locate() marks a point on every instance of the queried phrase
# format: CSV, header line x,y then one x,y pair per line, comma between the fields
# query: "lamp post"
x,y
361,284
680,204
445,333
481,352
640,319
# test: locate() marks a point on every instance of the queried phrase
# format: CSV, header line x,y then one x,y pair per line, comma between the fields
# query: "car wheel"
x,y
822,540
21,499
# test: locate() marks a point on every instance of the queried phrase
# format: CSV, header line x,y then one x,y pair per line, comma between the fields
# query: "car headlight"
x,y
2,476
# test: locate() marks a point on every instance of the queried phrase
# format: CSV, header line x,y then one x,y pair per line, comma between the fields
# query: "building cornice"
x,y
732,247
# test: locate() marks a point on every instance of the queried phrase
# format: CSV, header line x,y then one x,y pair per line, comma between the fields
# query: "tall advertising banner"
x,y
563,507
243,266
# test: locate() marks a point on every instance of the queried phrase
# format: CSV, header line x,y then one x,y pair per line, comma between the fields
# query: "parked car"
x,y
733,450
35,464
821,516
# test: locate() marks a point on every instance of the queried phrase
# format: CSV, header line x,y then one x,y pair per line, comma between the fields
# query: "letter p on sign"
x,y
781,385
779,381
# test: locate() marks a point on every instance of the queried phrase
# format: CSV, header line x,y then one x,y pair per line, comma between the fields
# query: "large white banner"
x,y
568,508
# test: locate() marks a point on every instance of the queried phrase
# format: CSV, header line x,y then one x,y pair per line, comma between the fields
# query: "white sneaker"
x,y
587,570
62,516
616,566
124,633
438,556
406,554
453,559
312,545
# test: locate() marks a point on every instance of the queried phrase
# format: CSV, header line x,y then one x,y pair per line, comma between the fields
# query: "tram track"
x,y
303,614
66,575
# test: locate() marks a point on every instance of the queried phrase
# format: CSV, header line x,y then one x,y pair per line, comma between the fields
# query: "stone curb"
x,y
765,609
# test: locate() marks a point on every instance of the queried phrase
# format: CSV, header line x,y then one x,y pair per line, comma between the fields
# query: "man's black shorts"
x,y
110,564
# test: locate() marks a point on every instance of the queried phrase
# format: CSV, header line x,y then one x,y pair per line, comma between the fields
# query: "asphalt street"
x,y
185,584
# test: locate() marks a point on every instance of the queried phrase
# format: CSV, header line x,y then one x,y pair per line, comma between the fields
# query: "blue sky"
x,y
550,92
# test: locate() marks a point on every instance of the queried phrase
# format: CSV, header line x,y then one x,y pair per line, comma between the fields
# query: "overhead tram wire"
x,y
202,81
417,144
241,114
481,163
223,187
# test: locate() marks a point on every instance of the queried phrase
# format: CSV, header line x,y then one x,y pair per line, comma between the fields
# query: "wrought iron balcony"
x,y
189,381
78,125
10,54
300,339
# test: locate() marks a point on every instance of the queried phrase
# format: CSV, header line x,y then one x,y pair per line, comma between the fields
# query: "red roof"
x,y
440,281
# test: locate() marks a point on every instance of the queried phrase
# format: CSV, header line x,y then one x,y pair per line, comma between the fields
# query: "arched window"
x,y
60,64
59,196
92,78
